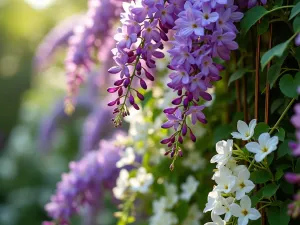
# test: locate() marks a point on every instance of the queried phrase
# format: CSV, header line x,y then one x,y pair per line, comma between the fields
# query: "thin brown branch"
x,y
267,101
257,58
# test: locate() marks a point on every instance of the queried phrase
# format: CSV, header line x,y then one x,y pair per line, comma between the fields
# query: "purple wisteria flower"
x,y
294,207
205,30
252,3
84,184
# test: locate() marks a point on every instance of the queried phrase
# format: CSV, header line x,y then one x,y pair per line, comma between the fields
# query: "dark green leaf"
x,y
278,174
251,17
147,98
278,51
273,74
295,11
237,75
276,104
287,187
222,132
283,149
254,200
270,190
260,128
281,134
278,216
278,2
260,176
288,85
263,26
296,24
270,158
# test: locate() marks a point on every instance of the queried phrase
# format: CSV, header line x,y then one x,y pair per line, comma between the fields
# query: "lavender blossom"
x,y
55,39
79,56
294,207
50,123
84,184
205,30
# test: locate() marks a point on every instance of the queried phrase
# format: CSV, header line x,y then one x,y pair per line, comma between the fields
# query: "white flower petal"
x,y
242,127
236,210
254,214
245,202
260,156
263,139
243,220
253,147
237,135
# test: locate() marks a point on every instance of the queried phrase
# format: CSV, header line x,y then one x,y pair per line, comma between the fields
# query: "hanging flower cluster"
x,y
231,194
86,36
139,41
83,185
205,31
294,207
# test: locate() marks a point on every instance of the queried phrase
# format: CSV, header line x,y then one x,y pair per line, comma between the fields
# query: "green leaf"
x,y
278,51
278,216
263,26
281,134
288,85
270,158
260,176
287,187
278,174
251,17
260,128
237,75
273,74
270,190
276,104
278,2
296,24
295,11
222,132
254,200
283,149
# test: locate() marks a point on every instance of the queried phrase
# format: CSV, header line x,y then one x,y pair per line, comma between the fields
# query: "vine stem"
x,y
282,115
267,100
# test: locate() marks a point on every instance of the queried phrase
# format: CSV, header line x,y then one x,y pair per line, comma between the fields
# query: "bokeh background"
x,y
30,163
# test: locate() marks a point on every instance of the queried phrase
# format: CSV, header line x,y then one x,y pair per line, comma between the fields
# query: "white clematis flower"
x,y
225,184
224,208
159,205
244,212
243,184
213,200
224,150
189,188
223,172
127,158
142,181
245,132
264,147
216,220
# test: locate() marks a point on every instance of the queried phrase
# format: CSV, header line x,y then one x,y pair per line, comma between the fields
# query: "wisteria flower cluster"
x,y
83,185
205,31
293,178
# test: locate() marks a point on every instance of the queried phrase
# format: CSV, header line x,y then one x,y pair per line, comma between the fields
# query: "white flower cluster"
x,y
162,207
140,183
265,145
232,185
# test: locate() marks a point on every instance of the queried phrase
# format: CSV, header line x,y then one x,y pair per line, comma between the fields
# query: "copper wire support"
x,y
257,58
245,107
238,95
267,101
